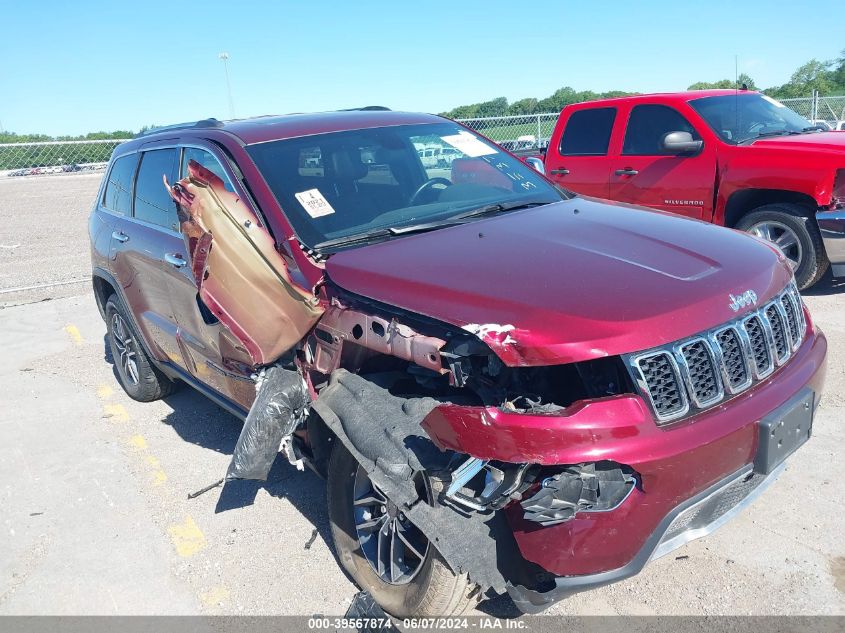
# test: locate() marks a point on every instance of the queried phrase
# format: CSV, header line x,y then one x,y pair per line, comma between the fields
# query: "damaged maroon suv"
x,y
508,388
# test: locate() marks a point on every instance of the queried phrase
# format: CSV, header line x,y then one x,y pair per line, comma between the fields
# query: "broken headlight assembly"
x,y
559,493
595,487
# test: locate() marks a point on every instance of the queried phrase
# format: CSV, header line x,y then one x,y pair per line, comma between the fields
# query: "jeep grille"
x,y
696,373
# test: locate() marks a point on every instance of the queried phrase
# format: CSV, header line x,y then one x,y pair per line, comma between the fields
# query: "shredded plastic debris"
x,y
279,408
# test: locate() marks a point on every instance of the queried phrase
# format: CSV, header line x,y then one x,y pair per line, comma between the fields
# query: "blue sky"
x,y
78,66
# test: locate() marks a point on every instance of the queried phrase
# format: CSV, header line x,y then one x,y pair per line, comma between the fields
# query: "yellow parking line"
x,y
214,596
116,412
104,392
74,334
138,442
187,538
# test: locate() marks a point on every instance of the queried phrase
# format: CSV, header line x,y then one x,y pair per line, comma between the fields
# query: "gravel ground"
x,y
44,235
94,486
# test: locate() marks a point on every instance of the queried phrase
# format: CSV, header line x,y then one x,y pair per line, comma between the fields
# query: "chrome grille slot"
x,y
759,346
660,377
702,378
735,371
698,372
791,309
782,343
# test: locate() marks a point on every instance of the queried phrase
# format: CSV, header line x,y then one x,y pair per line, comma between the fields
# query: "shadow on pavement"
x,y
827,285
201,422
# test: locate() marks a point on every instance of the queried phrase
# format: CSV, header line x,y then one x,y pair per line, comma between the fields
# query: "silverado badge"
x,y
747,298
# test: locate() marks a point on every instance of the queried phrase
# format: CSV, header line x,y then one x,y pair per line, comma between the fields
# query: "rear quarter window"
x,y
587,132
153,203
207,160
118,193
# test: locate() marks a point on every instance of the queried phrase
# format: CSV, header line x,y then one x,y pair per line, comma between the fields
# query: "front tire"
x,y
795,234
140,379
429,588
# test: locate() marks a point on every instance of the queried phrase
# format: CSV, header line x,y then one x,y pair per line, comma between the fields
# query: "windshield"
x,y
744,117
375,181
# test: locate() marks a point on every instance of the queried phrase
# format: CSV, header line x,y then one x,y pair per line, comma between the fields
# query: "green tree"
x,y
711,85
814,75
747,81
524,106
837,75
494,107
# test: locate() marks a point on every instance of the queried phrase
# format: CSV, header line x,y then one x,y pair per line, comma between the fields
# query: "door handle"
x,y
174,260
626,172
559,172
120,236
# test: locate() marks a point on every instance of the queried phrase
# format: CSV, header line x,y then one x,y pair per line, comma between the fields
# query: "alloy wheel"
x,y
126,348
393,546
781,236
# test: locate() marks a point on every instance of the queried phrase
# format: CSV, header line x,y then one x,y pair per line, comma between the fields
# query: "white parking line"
x,y
38,286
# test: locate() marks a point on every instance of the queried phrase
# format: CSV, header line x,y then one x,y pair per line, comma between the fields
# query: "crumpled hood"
x,y
568,281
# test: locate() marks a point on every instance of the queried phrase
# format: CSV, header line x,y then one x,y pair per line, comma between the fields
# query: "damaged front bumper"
x,y
692,519
692,476
832,227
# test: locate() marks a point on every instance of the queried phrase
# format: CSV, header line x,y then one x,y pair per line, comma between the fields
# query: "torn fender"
x,y
240,275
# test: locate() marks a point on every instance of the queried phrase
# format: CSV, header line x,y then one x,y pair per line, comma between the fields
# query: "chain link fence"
x,y
818,108
518,132
49,157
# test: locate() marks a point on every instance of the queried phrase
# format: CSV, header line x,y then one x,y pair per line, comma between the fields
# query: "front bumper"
x,y
679,465
832,227
695,518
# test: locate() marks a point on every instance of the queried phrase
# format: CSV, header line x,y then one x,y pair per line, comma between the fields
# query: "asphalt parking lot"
x,y
96,518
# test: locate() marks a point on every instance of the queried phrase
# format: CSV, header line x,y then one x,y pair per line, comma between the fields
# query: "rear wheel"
x,y
140,379
795,234
386,554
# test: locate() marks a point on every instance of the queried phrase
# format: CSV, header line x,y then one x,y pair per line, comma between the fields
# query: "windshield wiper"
x,y
495,209
350,240
461,218
377,234
782,132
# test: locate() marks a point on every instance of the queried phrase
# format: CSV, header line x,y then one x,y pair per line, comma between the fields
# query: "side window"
x,y
207,160
647,126
587,132
152,201
118,193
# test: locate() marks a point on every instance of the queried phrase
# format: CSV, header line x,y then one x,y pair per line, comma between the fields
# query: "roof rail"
x,y
367,108
204,123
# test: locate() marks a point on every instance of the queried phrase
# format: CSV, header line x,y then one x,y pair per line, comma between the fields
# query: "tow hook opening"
x,y
591,487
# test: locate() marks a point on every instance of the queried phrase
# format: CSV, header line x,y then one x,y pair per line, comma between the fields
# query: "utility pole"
x,y
225,59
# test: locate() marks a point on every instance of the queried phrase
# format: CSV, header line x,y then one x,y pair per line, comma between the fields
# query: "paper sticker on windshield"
x,y
314,203
774,102
469,145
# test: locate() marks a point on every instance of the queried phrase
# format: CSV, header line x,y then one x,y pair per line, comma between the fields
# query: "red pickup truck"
x,y
735,158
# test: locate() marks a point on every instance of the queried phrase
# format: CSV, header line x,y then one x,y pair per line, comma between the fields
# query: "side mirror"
x,y
681,143
536,164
